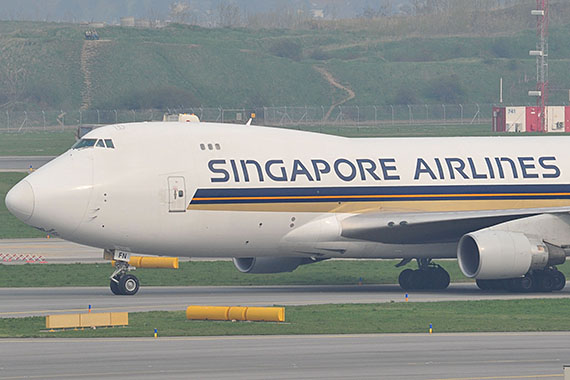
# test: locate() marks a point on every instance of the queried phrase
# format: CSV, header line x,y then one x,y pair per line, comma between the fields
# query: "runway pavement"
x,y
20,302
56,251
388,356
22,163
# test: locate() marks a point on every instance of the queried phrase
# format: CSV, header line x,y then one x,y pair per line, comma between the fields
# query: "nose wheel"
x,y
123,283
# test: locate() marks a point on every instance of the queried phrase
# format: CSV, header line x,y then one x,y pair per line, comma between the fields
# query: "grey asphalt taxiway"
x,y
22,163
21,302
385,356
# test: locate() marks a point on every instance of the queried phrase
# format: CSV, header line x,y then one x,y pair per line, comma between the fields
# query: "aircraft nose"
x,y
20,200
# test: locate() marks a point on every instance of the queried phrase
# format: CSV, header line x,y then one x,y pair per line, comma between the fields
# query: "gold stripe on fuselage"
x,y
392,206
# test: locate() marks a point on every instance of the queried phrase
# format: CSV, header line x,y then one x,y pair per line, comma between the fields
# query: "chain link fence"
x,y
416,114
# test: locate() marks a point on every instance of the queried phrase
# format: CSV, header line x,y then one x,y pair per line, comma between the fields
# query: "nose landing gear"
x,y
123,283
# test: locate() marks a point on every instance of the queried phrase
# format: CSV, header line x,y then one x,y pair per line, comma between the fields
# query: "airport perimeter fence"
x,y
304,117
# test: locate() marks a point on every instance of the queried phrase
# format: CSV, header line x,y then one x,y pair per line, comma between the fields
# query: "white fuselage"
x,y
207,189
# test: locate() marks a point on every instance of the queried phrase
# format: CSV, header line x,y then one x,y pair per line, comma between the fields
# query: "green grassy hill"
x,y
45,66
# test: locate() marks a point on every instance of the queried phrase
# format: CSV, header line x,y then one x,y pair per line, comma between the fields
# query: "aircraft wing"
x,y
435,227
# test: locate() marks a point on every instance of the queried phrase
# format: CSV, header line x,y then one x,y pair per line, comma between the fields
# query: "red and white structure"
x,y
542,117
528,119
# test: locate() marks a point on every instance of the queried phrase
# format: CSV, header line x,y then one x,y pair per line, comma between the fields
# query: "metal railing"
x,y
413,114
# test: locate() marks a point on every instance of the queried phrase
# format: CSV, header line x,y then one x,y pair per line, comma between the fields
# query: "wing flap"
x,y
425,228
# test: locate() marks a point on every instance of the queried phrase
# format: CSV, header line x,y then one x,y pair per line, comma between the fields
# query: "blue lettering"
x,y
226,175
423,167
326,168
386,168
500,164
541,162
300,169
474,170
370,169
525,166
245,171
459,169
268,166
340,175
490,167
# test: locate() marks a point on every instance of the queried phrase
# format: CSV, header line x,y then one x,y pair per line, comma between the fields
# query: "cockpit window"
x,y
84,143
100,143
109,143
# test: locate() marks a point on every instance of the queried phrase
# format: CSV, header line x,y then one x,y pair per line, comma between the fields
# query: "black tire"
x,y
484,284
559,280
405,279
545,282
419,279
128,285
442,279
115,288
527,283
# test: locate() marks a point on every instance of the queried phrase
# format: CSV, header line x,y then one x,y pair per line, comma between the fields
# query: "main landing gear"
x,y
545,280
123,283
428,276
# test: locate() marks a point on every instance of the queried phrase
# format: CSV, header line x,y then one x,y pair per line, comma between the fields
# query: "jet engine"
x,y
269,264
489,254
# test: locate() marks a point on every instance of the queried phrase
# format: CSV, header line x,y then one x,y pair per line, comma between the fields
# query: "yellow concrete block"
x,y
120,319
95,319
237,313
62,321
269,314
215,313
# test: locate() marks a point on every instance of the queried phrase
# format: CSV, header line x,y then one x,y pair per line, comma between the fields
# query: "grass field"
x,y
207,273
345,272
185,65
36,143
457,316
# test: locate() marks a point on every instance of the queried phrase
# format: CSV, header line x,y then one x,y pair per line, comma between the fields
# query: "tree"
x,y
180,12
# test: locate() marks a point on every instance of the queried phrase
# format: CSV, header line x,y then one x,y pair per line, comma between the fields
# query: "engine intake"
x,y
269,264
489,254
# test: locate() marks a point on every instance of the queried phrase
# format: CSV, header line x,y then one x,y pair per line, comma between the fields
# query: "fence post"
x,y
116,116
62,120
134,116
375,115
44,118
357,115
392,107
427,112
410,114
80,117
444,116
478,113
461,107
323,111
98,118
8,120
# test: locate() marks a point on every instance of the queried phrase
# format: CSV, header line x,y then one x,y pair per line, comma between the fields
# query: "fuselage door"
x,y
177,194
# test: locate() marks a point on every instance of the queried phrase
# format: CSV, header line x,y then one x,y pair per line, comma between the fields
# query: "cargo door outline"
x,y
176,194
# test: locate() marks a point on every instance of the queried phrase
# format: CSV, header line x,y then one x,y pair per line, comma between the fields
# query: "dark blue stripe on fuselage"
x,y
379,193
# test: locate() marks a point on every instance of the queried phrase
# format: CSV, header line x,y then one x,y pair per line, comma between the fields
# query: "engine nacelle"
x,y
489,254
269,264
